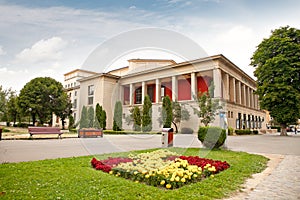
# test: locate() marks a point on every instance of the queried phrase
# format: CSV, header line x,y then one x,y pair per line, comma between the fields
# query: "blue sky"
x,y
52,37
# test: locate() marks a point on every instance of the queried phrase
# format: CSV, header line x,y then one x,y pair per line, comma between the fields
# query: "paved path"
x,y
281,180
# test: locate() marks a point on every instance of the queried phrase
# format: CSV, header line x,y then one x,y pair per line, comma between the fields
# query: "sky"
x,y
52,37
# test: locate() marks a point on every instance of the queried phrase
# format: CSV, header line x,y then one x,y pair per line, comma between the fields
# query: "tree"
x,y
101,116
40,97
63,108
147,115
179,113
71,122
167,113
84,122
117,120
207,108
4,98
135,118
91,117
277,68
12,109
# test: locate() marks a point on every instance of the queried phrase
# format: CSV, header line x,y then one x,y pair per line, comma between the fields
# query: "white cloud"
x,y
132,7
2,52
43,50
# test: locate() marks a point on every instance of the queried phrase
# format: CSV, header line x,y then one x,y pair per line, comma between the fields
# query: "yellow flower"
x,y
177,178
183,180
168,186
195,175
135,173
172,179
111,172
136,181
212,176
162,182
147,176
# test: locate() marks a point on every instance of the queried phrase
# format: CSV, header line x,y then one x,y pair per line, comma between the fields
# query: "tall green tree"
x,y
40,97
117,120
101,116
4,98
13,112
167,112
147,115
91,117
84,122
207,108
277,68
63,108
136,118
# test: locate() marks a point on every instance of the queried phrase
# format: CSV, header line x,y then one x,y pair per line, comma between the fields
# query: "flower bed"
x,y
161,168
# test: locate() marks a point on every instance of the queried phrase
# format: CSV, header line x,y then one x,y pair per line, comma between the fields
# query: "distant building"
x,y
180,81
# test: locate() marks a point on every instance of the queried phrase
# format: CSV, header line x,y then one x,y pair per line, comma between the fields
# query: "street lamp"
x,y
30,109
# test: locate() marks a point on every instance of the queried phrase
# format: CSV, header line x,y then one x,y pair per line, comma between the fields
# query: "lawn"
x,y
74,178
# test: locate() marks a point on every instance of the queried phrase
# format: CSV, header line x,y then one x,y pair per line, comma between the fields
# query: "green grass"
x,y
74,178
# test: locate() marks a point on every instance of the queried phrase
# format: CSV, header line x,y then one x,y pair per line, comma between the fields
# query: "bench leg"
x,y
59,136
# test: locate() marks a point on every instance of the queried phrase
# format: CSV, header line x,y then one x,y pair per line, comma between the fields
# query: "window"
x,y
228,115
150,92
74,117
71,84
75,103
90,100
91,90
75,93
138,95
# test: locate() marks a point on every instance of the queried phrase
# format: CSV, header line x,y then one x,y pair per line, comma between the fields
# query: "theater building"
x,y
180,81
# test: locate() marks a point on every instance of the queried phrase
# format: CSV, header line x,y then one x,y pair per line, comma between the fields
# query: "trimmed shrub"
x,y
117,120
212,137
186,130
276,127
230,131
246,132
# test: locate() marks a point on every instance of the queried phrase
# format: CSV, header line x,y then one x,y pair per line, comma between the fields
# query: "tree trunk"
x,y
283,130
33,119
176,129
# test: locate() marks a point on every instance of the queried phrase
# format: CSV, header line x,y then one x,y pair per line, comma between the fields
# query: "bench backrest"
x,y
33,129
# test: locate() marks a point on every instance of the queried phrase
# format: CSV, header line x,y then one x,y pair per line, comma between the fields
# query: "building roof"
x,y
79,70
151,60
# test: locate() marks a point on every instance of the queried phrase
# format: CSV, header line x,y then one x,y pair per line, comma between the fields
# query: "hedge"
x,y
186,130
212,137
246,132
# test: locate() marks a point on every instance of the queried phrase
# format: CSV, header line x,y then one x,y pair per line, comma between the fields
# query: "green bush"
x,y
246,132
276,127
230,131
4,130
212,137
186,130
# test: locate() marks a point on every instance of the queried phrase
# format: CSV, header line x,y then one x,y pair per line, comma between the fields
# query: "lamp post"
x,y
30,109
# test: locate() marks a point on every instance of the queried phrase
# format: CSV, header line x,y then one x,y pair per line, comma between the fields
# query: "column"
x,y
244,94
143,91
131,94
248,96
251,98
226,87
157,90
233,90
193,85
217,82
174,88
239,93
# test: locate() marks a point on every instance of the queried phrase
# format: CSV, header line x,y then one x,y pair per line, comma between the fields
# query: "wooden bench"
x,y
33,130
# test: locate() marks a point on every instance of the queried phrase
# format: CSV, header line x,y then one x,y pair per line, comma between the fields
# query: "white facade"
x,y
180,81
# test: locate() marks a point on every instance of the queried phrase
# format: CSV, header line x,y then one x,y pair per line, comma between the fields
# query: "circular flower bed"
x,y
161,168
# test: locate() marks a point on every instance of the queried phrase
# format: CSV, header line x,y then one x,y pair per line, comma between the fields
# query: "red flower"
x,y
107,165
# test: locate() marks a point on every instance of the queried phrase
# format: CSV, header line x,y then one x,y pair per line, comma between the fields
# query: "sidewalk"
x,y
280,181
